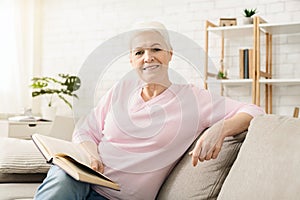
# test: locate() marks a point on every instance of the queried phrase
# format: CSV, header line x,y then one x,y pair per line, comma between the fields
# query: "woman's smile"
x,y
150,67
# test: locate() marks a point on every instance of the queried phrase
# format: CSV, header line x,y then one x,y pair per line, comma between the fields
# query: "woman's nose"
x,y
148,56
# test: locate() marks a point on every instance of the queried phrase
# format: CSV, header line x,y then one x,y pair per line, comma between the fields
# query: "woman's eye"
x,y
137,53
156,49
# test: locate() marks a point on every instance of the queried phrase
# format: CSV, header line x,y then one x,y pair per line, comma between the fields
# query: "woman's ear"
x,y
171,54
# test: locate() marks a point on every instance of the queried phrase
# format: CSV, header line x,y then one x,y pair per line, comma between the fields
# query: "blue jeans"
x,y
60,186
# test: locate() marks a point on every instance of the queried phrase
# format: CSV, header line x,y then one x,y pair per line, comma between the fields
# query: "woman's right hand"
x,y
91,150
97,165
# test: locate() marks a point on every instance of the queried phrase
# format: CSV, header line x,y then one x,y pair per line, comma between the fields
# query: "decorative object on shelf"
x,y
227,22
248,13
62,88
222,73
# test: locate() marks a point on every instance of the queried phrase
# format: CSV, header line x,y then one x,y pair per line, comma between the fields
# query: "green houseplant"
x,y
248,13
222,75
63,87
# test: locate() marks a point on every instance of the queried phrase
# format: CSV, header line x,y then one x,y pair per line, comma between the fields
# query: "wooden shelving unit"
x,y
262,73
264,76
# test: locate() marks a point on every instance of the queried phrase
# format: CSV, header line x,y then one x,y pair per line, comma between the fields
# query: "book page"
x,y
42,148
57,146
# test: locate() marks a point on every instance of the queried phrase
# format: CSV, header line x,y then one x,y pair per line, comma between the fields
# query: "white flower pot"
x,y
247,20
49,113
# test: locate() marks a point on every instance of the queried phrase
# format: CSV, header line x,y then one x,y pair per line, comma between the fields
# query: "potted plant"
x,y
222,75
63,87
248,13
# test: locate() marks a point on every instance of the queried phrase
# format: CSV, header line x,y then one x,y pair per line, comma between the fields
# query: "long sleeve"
x,y
91,127
214,107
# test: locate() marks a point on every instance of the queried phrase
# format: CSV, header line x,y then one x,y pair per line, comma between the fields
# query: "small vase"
x,y
247,20
48,113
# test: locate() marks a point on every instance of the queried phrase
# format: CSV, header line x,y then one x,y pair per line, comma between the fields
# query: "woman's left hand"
x,y
209,144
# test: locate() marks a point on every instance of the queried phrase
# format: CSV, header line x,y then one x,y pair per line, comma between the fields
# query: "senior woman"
x,y
143,125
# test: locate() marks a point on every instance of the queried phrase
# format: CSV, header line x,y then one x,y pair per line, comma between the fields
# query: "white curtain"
x,y
17,42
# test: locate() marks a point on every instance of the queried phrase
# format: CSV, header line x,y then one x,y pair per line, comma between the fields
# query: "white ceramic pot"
x,y
247,20
49,113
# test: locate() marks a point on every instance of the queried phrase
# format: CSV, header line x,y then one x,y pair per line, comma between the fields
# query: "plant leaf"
x,y
50,86
65,100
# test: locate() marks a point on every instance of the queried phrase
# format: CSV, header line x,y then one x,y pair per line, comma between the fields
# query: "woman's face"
x,y
150,56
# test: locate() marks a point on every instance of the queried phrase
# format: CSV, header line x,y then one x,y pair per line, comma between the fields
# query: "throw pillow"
x,y
205,180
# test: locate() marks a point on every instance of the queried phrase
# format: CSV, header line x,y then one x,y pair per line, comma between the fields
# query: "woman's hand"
x,y
91,150
209,144
97,165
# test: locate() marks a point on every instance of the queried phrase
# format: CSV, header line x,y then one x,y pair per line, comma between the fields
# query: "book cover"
x,y
241,56
251,63
246,63
72,159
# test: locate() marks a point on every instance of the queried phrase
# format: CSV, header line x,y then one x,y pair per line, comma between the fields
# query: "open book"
x,y
72,159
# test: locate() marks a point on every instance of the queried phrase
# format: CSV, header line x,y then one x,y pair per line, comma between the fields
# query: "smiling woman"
x,y
16,50
150,55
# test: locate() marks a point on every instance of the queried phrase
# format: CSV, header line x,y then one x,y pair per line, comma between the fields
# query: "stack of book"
x,y
246,63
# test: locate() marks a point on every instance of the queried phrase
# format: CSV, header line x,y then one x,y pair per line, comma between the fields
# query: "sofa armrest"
x,y
268,165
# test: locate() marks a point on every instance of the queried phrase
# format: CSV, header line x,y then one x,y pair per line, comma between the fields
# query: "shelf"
x,y
249,32
277,29
281,82
230,81
232,31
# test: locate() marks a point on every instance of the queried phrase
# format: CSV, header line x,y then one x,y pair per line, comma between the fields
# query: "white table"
x,y
24,130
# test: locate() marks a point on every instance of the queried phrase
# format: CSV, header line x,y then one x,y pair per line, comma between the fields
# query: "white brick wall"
x,y
71,30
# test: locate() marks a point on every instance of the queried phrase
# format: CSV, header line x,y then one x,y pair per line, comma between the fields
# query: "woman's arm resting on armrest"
x,y
210,143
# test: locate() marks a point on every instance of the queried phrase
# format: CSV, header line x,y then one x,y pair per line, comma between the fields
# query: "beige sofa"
x,y
266,165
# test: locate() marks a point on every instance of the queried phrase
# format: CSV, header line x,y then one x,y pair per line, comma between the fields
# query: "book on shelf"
x,y
241,61
72,158
246,63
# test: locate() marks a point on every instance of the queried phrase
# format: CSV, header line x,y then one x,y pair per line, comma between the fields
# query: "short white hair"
x,y
151,26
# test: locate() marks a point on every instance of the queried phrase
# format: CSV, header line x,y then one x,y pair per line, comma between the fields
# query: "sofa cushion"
x,y
268,164
20,157
205,180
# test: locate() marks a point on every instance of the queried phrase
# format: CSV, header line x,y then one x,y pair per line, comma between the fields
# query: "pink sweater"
x,y
139,142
